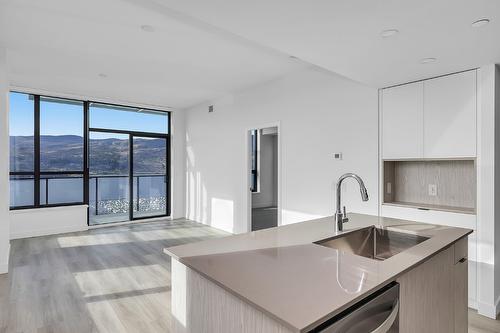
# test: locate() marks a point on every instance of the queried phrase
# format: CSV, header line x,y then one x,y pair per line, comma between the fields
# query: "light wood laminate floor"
x,y
113,279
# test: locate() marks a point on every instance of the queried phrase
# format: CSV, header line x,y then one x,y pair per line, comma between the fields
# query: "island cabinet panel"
x,y
426,296
201,306
402,121
433,296
461,286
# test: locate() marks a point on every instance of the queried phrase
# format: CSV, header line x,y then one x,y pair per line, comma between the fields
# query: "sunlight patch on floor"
x,y
132,236
121,280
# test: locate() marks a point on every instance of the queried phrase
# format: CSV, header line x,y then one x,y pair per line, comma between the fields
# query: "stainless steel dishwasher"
x,y
378,313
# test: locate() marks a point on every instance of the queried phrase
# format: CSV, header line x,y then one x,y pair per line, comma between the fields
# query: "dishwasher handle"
x,y
389,321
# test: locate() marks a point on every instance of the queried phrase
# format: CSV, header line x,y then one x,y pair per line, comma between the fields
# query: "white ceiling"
x,y
202,50
63,46
344,35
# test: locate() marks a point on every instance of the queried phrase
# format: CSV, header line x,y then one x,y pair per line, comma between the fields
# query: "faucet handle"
x,y
344,215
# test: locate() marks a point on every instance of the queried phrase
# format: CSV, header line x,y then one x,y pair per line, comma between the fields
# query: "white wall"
x,y
47,221
488,191
4,166
178,165
497,189
267,196
319,113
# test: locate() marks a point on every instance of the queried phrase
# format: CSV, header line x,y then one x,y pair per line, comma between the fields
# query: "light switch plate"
x,y
433,190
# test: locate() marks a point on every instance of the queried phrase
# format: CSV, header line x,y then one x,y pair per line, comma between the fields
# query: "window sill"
x,y
28,210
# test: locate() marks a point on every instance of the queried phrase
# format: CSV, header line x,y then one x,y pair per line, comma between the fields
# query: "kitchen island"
x,y
288,279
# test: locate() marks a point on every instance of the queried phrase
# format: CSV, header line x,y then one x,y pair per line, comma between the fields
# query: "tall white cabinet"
x,y
428,138
450,116
402,120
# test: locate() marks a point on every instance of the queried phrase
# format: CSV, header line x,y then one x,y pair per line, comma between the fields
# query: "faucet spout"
x,y
341,215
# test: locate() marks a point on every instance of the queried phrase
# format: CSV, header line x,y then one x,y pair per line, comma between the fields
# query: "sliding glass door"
x,y
149,171
109,173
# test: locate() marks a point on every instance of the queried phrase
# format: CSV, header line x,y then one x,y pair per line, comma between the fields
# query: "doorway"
x,y
264,177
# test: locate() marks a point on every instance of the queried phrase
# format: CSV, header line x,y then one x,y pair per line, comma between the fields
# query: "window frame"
x,y
37,173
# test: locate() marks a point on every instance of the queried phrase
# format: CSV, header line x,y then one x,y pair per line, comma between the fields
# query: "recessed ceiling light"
x,y
147,28
102,75
480,23
428,60
389,33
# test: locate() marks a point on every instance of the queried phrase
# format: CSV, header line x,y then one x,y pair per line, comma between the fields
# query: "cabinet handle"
x,y
462,260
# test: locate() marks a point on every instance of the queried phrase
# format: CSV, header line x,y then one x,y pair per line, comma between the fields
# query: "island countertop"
x,y
281,272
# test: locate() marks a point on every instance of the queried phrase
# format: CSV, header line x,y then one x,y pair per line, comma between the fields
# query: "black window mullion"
x,y
36,139
85,153
167,171
131,175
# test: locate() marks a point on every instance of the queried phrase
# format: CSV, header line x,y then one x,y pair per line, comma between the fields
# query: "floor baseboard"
x,y
4,267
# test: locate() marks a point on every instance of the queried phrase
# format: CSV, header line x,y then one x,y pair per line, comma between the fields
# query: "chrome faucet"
x,y
341,215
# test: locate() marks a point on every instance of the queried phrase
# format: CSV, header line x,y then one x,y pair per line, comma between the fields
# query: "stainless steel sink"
x,y
372,242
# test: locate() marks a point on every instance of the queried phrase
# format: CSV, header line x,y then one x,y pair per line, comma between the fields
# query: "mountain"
x,y
106,156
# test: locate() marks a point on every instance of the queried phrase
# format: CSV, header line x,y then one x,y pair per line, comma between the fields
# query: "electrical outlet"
x,y
388,188
433,191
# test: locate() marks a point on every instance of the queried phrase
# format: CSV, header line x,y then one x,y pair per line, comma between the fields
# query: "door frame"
x,y
248,171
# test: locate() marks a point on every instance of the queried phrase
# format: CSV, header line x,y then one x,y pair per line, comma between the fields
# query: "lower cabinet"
x,y
433,295
460,280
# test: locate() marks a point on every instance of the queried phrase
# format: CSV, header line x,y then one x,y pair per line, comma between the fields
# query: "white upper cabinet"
x,y
450,116
434,118
402,121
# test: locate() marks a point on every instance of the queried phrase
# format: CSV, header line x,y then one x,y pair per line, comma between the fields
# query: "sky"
x,y
67,119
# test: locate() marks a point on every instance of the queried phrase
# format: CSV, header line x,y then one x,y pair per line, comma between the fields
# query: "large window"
x,y
61,151
70,152
122,118
46,151
22,150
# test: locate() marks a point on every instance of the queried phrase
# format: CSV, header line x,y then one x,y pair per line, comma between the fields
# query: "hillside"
x,y
107,156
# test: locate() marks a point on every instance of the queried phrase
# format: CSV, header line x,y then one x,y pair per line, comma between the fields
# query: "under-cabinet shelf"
x,y
442,185
452,209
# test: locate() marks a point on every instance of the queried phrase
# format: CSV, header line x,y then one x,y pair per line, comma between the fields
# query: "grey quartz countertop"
x,y
301,284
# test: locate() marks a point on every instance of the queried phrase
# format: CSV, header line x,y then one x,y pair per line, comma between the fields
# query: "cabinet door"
x,y
461,285
427,296
402,121
450,116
